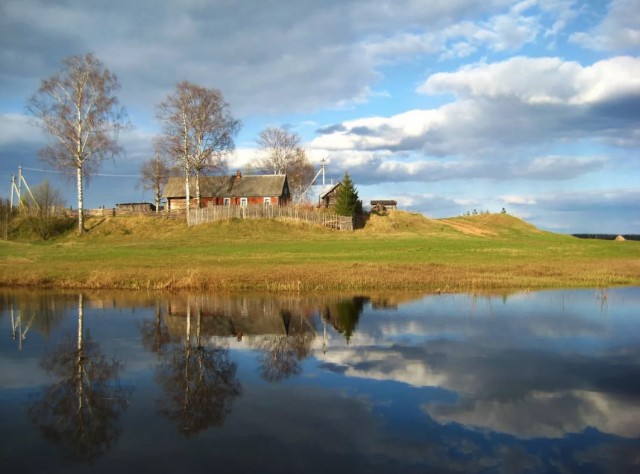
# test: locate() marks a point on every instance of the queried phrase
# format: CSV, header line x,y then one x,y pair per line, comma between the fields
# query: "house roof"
x,y
229,186
259,185
330,190
209,186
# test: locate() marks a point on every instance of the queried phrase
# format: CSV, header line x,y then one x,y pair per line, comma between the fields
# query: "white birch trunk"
x,y
80,201
198,190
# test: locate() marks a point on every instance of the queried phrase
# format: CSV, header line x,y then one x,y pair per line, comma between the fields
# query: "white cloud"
x,y
545,414
541,81
619,30
521,200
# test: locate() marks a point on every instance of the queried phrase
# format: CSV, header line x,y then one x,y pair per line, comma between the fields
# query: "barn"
x,y
234,190
328,197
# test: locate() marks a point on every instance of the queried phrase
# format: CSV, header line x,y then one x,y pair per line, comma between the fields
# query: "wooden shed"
x,y
383,204
135,207
328,197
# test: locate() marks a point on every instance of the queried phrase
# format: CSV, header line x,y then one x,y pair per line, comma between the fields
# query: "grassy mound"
x,y
399,250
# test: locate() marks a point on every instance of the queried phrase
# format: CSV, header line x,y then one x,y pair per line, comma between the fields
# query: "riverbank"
x,y
400,251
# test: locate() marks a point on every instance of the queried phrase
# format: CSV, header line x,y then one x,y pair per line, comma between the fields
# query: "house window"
x,y
267,201
227,201
243,202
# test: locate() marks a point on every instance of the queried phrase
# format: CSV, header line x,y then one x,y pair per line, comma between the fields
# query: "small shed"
x,y
383,204
135,207
328,197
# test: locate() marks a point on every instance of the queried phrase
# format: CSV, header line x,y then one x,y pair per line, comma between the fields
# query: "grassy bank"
x,y
398,251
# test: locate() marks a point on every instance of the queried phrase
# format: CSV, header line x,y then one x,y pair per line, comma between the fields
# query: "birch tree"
x,y
278,148
198,130
155,173
282,154
78,107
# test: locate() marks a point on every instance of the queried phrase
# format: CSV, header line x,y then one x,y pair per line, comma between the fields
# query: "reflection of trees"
x,y
199,382
34,312
282,354
155,333
344,315
80,408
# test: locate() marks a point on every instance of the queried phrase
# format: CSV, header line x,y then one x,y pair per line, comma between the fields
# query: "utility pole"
x,y
19,185
13,187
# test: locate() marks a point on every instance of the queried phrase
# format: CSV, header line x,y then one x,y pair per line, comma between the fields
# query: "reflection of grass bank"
x,y
399,251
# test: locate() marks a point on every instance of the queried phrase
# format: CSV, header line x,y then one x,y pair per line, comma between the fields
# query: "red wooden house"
x,y
235,190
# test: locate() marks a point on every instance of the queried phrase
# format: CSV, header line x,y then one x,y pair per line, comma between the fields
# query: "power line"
x,y
92,174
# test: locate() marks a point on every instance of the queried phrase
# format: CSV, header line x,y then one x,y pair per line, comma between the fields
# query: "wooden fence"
x,y
217,213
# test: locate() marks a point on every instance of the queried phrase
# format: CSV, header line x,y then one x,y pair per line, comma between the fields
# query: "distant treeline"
x,y
607,236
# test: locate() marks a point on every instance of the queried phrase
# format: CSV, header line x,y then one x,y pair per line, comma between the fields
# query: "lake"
x,y
519,382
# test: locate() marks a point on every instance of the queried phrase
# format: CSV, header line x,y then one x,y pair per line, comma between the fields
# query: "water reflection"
x,y
198,380
282,353
80,409
544,382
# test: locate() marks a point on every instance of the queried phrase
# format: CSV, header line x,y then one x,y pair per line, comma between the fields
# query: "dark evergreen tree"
x,y
346,197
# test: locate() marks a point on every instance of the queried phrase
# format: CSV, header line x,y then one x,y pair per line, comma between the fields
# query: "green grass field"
x,y
398,251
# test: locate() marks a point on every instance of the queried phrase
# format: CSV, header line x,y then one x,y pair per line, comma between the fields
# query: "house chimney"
x,y
238,175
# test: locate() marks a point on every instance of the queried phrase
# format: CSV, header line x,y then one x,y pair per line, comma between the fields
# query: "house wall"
x,y
329,200
179,204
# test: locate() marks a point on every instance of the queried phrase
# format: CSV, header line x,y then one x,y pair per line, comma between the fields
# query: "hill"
x,y
396,251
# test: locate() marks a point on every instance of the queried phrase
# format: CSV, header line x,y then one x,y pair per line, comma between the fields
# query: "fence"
x,y
217,213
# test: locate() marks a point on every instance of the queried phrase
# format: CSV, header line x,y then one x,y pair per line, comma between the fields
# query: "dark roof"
x,y
229,186
260,185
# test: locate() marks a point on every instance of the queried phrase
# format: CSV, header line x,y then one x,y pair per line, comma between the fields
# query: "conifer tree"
x,y
346,197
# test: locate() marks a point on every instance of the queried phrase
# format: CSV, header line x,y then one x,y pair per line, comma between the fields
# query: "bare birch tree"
x,y
155,172
299,174
199,131
282,154
278,148
78,107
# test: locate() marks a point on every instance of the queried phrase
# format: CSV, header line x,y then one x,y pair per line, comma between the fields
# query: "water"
x,y
525,382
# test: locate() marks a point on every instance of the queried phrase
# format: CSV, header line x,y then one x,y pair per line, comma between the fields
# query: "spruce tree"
x,y
346,197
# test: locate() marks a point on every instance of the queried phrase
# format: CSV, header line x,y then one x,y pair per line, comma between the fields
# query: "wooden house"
x,y
328,197
235,190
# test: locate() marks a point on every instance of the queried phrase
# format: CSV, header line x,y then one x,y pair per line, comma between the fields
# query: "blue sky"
x,y
445,106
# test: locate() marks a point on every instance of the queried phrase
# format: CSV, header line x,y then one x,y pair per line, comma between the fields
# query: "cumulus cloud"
x,y
558,394
619,30
510,104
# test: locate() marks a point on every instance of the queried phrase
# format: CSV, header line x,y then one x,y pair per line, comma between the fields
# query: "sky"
x,y
444,105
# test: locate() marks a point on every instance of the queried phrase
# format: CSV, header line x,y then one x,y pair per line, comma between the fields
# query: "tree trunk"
x,y
157,198
187,194
198,190
80,202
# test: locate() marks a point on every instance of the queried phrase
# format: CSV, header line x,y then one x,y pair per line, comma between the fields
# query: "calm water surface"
x,y
525,382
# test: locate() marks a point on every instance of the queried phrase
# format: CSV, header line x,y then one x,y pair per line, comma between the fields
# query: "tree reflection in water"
x,y
282,353
199,381
80,409
345,314
155,333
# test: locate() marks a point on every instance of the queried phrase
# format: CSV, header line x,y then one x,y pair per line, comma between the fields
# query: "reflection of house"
x,y
242,317
234,190
328,197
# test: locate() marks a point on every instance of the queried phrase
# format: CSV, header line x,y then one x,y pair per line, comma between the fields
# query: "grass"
x,y
397,251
